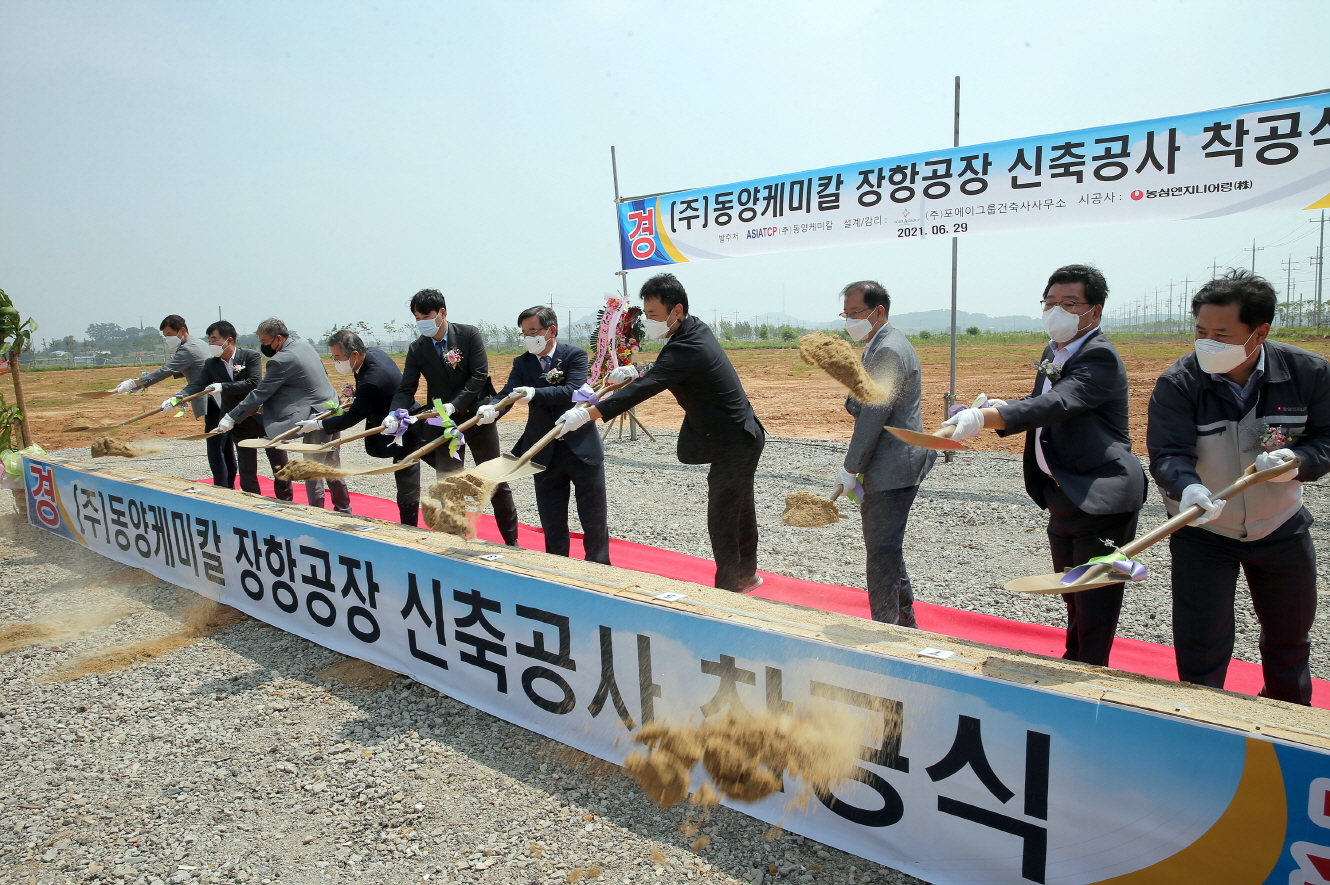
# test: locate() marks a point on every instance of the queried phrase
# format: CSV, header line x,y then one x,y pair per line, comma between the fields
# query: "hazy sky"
x,y
321,161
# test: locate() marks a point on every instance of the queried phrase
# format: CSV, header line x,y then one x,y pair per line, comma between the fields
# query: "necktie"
x,y
544,364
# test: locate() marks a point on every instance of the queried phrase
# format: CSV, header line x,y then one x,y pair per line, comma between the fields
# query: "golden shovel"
x,y
158,410
414,458
261,443
509,467
332,444
938,441
1101,574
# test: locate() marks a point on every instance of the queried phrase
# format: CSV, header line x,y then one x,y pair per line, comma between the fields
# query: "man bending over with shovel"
x,y
1238,400
719,426
1078,462
551,377
185,361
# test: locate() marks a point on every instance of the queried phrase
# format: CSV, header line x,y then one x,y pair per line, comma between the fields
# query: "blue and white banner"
x,y
989,780
1253,158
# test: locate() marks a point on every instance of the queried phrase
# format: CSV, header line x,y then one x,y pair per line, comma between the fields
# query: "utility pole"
x,y
1320,266
1214,269
1170,304
955,142
1182,304
1253,250
1288,288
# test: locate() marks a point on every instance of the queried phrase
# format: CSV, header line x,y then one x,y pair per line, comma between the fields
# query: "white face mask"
x,y
216,349
655,329
1218,358
535,343
859,330
1061,325
342,367
429,328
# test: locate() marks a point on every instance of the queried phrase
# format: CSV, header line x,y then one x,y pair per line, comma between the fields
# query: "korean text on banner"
x,y
1252,158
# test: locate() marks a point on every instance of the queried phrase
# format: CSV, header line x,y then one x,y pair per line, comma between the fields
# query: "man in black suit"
x,y
1078,461
377,379
719,426
548,376
228,375
452,359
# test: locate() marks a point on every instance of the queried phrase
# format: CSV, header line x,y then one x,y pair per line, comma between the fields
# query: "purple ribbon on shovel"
x,y
1130,568
404,420
586,394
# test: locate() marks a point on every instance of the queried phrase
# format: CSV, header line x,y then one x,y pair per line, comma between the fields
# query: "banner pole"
x,y
955,142
623,278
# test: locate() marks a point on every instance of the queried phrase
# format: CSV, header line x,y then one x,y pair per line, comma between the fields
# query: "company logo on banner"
x,y
1254,158
987,780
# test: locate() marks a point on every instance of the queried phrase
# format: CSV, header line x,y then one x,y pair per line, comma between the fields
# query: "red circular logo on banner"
x,y
1137,195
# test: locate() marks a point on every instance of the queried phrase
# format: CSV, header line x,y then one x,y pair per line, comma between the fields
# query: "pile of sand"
x,y
455,502
747,756
837,358
199,620
305,469
807,511
103,446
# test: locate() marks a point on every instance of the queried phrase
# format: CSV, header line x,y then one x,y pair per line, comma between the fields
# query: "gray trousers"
x,y
884,515
341,496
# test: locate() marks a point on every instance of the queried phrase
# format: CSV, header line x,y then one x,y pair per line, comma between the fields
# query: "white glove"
x,y
310,425
127,386
487,415
1266,460
390,424
525,393
213,389
847,480
168,404
994,403
968,424
448,409
573,419
1199,494
623,374
225,424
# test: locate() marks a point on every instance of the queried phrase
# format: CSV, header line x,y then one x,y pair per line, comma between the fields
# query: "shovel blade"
x,y
302,447
1053,584
194,437
255,443
506,469
924,440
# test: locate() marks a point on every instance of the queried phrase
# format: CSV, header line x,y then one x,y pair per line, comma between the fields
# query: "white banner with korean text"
x,y
989,781
1253,158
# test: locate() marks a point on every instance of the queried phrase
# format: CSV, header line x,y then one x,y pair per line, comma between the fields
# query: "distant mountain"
x,y
940,321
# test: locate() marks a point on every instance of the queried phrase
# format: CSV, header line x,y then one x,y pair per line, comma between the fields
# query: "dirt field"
x,y
792,399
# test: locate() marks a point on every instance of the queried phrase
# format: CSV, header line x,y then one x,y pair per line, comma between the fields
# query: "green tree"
x,y
972,330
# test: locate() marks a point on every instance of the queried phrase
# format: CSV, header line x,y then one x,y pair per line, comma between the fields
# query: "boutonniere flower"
x,y
1048,368
237,369
1276,437
553,376
453,357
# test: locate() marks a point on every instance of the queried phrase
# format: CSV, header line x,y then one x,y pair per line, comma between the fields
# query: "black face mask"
x,y
267,350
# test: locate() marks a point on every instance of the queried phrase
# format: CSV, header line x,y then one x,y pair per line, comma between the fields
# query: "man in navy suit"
x,y
547,376
1078,461
377,379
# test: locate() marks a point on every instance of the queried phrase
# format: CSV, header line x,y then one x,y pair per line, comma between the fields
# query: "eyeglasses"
x,y
535,333
851,314
1065,305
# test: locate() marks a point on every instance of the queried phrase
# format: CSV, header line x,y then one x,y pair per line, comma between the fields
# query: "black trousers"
x,y
221,452
483,443
731,514
1281,574
884,516
1074,537
247,461
564,474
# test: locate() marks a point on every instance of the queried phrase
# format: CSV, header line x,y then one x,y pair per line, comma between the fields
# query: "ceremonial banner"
x,y
1253,158
989,780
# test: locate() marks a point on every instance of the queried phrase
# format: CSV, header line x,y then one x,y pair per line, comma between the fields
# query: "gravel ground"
x,y
230,759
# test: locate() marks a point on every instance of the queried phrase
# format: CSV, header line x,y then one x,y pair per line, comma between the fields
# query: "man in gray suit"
x,y
1078,461
890,471
295,387
185,361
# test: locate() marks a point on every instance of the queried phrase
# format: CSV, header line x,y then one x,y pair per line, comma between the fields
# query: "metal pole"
x,y
955,142
623,275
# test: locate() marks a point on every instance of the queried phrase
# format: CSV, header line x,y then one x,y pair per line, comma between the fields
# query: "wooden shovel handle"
x,y
554,431
945,431
295,428
464,426
1250,477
